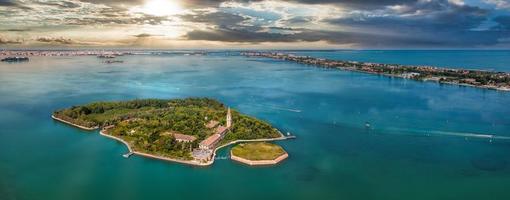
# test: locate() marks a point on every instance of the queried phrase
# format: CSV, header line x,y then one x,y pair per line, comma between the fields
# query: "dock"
x,y
127,155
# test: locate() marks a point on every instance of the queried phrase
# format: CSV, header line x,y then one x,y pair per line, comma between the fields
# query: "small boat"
x,y
367,125
106,56
113,61
15,59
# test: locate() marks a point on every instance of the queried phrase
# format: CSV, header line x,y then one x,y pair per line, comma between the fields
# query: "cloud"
x,y
363,23
60,4
56,40
418,23
503,23
116,2
145,35
4,40
215,18
116,19
500,4
439,22
359,4
17,30
13,4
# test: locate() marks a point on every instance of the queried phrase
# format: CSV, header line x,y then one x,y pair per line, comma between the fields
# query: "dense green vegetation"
x,y
145,123
257,151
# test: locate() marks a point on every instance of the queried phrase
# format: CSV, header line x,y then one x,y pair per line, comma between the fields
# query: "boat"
x,y
106,56
15,59
113,61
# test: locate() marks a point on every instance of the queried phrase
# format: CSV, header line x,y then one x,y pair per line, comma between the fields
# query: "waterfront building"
x,y
179,137
210,142
213,140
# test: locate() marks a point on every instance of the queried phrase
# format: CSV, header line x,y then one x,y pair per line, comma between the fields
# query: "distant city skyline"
x,y
257,24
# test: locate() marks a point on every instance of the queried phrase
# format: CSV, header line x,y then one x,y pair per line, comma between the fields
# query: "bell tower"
x,y
229,118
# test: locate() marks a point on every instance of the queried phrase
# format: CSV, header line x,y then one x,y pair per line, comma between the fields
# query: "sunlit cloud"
x,y
252,23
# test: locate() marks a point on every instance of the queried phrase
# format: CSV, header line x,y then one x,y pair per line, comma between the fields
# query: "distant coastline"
x,y
463,77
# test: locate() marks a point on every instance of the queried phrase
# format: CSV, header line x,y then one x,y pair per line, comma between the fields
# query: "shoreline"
x,y
194,163
75,125
424,80
149,155
373,69
259,162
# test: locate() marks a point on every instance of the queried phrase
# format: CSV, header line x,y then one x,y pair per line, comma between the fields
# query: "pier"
x,y
127,155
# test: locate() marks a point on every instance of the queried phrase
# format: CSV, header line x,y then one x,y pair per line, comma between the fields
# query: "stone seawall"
x,y
260,162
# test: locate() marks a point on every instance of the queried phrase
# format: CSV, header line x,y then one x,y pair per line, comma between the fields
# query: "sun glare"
x,y
160,7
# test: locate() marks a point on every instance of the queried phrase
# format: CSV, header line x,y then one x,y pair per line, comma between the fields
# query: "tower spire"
x,y
229,118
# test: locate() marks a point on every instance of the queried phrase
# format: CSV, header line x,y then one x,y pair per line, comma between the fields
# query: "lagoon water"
x,y
426,141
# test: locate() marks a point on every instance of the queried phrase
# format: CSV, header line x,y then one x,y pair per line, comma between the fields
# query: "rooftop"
x,y
211,140
180,136
212,124
221,130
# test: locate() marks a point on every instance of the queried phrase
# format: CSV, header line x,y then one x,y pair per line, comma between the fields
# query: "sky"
x,y
257,24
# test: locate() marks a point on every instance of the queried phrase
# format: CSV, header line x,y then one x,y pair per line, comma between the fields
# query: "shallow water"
x,y
422,143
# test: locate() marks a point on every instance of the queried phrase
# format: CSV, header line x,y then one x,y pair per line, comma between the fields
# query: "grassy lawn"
x,y
257,151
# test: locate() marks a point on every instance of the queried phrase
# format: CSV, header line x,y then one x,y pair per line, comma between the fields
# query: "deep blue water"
x,y
494,60
421,143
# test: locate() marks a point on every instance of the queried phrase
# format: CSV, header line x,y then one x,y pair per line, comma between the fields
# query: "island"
x,y
188,131
465,77
258,153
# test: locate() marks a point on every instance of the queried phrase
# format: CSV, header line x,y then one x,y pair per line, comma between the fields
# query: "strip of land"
x,y
75,125
260,162
258,153
464,77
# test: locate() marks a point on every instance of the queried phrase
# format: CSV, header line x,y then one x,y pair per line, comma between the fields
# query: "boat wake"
x,y
465,135
277,108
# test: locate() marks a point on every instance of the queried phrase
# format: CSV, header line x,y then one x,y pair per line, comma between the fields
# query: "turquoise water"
x,y
495,60
426,141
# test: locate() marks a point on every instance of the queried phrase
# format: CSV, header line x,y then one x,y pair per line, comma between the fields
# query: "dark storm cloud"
x,y
13,4
60,4
436,16
360,4
503,23
333,37
186,3
424,24
145,35
16,30
215,18
438,22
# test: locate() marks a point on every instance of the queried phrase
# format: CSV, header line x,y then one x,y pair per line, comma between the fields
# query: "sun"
x,y
160,7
